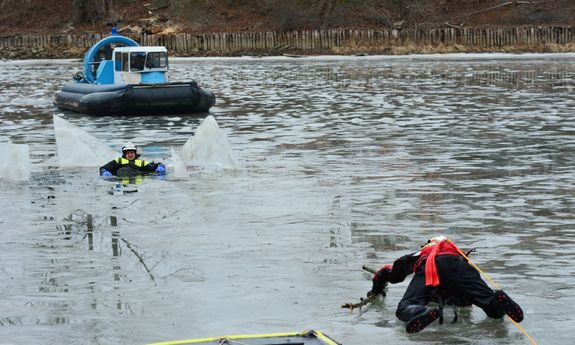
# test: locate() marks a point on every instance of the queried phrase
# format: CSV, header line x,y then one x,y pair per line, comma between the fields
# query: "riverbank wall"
x,y
312,42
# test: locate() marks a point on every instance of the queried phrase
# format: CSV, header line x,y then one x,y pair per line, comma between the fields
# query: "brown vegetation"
x,y
21,17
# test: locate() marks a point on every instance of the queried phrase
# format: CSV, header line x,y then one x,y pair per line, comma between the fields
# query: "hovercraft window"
x,y
125,57
137,60
156,60
118,63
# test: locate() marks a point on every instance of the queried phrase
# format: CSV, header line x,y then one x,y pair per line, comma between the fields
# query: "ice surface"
x,y
209,147
14,162
180,170
77,148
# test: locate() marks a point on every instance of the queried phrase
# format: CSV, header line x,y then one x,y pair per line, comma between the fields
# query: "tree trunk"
x,y
91,11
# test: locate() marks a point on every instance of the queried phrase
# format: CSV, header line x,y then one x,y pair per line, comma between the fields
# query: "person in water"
x,y
442,275
129,164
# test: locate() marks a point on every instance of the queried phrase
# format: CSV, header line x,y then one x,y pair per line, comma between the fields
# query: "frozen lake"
x,y
344,162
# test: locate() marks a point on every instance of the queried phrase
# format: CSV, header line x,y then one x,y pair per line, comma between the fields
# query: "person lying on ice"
x,y
441,275
129,164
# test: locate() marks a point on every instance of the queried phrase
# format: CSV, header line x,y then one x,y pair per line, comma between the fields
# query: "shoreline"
x,y
25,53
391,42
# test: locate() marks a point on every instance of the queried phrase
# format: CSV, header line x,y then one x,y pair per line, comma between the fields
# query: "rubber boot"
x,y
422,320
505,303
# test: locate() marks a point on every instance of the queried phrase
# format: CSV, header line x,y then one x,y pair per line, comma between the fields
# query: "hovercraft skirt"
x,y
141,99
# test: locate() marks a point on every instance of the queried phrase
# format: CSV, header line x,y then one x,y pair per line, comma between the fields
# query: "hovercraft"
x,y
120,77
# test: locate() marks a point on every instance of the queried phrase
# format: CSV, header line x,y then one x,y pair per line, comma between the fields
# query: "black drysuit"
x,y
460,284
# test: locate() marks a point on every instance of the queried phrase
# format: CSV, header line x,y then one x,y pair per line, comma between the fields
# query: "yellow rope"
x,y
496,287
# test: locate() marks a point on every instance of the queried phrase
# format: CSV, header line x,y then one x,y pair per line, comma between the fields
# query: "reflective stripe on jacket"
x,y
137,162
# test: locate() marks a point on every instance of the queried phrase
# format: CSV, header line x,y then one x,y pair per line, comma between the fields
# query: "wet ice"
x,y
344,162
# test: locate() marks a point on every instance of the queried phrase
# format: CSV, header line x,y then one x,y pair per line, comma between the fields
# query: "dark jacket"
x,y
136,165
410,263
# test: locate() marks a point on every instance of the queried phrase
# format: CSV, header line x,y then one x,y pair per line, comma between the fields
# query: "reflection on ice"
x,y
77,148
81,226
14,162
209,147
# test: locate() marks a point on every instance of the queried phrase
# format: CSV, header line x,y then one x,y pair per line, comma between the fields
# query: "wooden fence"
x,y
318,40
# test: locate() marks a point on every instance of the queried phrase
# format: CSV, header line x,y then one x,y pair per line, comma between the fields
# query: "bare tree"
x,y
91,11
